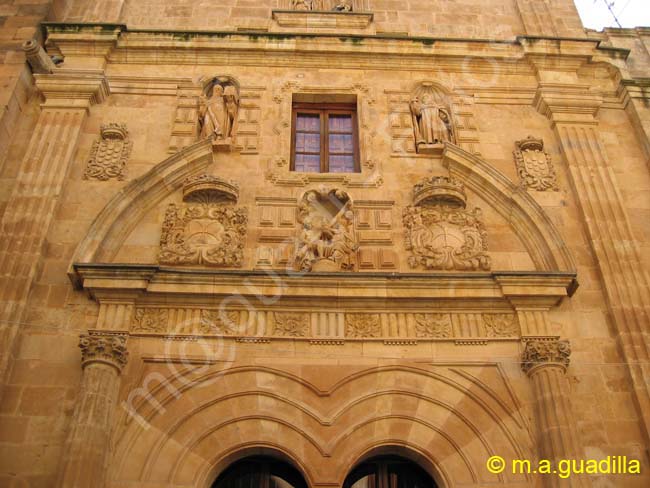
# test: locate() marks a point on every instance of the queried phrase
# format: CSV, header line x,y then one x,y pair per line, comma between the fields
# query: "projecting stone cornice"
x,y
112,281
259,48
68,88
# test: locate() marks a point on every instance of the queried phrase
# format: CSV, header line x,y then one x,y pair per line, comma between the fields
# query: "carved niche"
x,y
219,113
207,229
109,154
440,232
432,118
326,240
534,165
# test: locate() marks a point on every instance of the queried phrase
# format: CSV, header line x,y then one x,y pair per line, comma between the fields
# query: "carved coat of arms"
x,y
534,165
109,154
441,233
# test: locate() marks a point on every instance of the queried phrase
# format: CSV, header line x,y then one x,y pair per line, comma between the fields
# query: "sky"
x,y
630,13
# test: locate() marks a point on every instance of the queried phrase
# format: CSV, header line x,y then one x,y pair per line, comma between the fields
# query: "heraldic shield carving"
x,y
208,229
441,233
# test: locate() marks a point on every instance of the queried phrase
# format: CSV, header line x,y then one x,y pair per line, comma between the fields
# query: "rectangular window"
x,y
324,138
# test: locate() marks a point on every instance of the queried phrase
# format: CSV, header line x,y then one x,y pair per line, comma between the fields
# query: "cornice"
x,y
149,46
103,281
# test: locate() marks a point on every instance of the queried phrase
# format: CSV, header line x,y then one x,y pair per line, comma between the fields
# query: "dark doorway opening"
x,y
389,472
260,472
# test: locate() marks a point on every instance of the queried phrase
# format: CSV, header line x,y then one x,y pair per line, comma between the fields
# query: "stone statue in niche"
x,y
432,120
207,230
109,154
441,233
326,241
534,165
218,115
343,6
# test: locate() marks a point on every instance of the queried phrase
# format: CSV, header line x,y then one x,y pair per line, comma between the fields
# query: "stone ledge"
x,y
322,19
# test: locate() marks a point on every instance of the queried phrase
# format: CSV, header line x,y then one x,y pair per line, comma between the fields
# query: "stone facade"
x,y
479,292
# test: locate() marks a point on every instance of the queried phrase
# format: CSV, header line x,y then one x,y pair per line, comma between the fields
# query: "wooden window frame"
x,y
325,110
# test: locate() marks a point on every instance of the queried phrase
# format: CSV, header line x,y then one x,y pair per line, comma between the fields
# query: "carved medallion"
x,y
534,165
208,229
326,239
109,154
432,325
441,233
362,325
500,325
291,324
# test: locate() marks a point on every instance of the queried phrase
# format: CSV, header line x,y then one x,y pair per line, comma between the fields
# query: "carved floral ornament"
x,y
322,5
545,353
207,229
104,348
534,165
109,154
326,239
440,233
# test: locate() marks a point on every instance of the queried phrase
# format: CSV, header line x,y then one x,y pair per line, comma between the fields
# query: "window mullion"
x,y
324,164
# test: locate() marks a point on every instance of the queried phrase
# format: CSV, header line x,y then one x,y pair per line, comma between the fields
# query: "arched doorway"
x,y
388,472
260,472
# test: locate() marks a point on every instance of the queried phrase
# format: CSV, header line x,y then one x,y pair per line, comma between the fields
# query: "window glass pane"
x,y
341,143
309,163
341,164
307,142
340,122
308,122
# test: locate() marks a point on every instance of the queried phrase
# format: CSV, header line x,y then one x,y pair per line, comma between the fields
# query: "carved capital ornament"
x,y
540,353
108,348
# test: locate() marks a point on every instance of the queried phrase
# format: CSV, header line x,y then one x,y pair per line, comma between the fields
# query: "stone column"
x,y
545,361
84,462
31,208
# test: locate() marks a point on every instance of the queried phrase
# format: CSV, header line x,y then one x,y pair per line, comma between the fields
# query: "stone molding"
x,y
104,347
540,353
72,88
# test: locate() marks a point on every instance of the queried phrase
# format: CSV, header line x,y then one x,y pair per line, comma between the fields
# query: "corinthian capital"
x,y
108,348
545,353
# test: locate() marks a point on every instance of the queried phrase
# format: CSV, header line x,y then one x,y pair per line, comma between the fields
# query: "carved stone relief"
x,y
109,154
150,320
326,240
326,324
500,325
322,5
433,325
219,322
362,325
207,229
440,233
291,324
534,165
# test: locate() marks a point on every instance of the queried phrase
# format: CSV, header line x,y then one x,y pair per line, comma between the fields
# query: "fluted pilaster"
x,y
31,207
